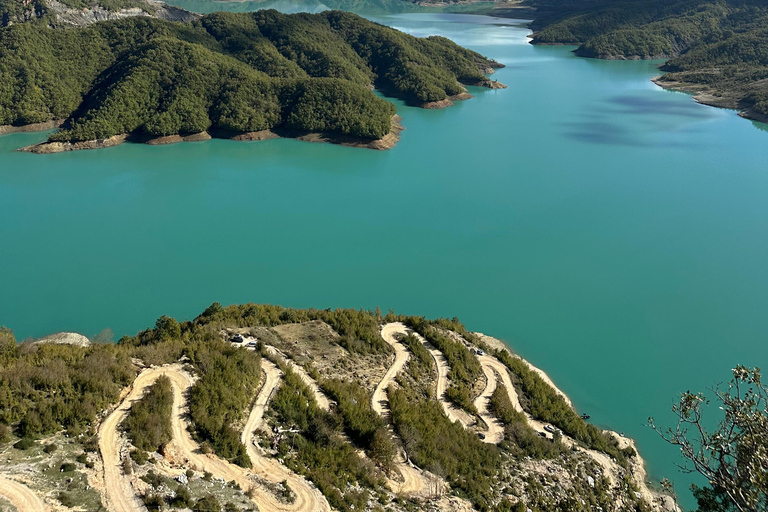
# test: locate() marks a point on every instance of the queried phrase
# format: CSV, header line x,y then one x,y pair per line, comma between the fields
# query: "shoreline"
x,y
387,142
703,95
6,129
637,467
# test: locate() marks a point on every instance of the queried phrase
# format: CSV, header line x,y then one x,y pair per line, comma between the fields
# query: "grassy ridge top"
x,y
231,72
717,47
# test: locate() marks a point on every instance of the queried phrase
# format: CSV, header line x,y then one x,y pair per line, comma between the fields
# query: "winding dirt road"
x,y
322,401
413,479
120,495
308,498
379,401
495,432
21,496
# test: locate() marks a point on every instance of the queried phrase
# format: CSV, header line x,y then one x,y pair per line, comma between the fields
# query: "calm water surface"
x,y
613,233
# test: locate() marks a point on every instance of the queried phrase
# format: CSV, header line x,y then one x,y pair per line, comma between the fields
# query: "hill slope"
x,y
717,48
303,410
225,73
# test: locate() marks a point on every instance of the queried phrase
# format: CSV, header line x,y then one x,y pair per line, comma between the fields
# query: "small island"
x,y
244,76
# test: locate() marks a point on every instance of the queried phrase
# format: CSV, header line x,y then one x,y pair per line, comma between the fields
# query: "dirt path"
x,y
495,432
413,479
322,401
308,498
454,413
610,468
379,401
21,496
121,496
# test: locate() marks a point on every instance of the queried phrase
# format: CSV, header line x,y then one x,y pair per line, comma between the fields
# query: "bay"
x,y
613,233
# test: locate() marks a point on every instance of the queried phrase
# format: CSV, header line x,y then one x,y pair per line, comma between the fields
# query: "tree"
x,y
734,456
167,328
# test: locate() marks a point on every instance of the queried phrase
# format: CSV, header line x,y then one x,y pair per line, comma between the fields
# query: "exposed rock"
x,y
434,105
66,338
196,137
83,17
60,147
35,127
168,139
461,96
490,84
260,135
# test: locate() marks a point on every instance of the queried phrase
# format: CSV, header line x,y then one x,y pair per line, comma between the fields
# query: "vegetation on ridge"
x,y
225,73
715,46
148,423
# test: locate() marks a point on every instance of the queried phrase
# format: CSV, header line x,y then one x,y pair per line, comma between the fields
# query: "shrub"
x,y
67,467
24,443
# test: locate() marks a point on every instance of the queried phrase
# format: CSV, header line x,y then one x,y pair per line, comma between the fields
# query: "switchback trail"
x,y
120,495
21,496
413,480
308,498
322,401
495,432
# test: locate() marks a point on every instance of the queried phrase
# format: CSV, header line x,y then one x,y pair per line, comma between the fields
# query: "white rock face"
x,y
83,17
66,338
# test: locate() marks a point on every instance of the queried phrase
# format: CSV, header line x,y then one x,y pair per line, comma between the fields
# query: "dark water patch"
x,y
632,104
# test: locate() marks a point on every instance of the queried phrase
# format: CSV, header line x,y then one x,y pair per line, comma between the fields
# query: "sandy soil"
x,y
20,496
308,498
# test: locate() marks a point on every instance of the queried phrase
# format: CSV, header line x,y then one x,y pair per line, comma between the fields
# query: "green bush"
x,y
148,423
68,467
24,443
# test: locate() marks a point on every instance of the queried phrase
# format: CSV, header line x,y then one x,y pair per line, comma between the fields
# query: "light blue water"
x,y
613,233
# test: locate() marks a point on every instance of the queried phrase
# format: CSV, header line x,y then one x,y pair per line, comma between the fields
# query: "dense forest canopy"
x,y
715,46
224,72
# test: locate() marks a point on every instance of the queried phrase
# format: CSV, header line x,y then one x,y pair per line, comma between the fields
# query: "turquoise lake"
x,y
613,233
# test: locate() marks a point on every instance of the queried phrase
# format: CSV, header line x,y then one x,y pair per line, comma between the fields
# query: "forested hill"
x,y
718,48
224,73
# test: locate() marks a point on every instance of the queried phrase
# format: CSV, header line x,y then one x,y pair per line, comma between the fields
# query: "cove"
x,y
613,233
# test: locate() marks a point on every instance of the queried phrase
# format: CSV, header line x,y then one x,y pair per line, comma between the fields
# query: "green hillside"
x,y
224,73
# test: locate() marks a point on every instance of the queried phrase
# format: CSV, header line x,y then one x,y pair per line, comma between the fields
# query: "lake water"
x,y
613,233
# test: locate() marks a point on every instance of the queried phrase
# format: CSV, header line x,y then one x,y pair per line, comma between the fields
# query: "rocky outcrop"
x,y
83,17
434,105
60,147
66,338
490,84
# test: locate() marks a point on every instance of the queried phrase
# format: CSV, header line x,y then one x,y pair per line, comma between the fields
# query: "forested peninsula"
x,y
147,77
717,49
